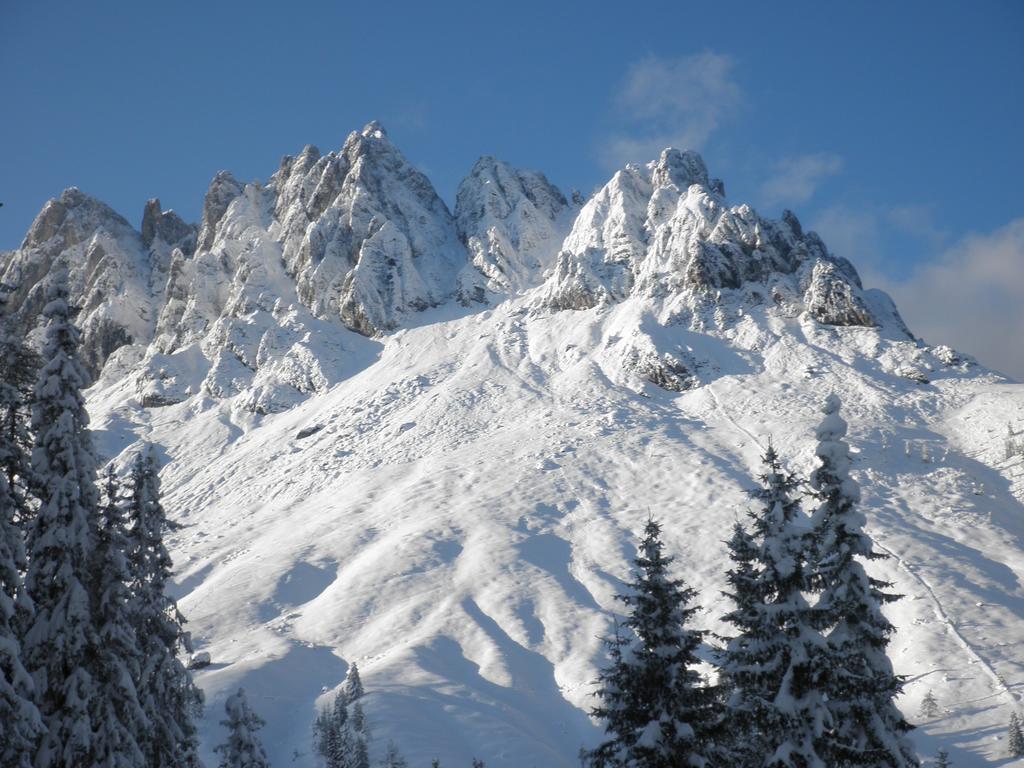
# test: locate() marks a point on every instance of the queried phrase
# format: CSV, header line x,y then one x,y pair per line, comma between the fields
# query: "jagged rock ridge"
x,y
358,240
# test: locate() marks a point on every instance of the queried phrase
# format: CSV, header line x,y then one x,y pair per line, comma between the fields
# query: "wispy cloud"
x,y
971,296
796,179
677,102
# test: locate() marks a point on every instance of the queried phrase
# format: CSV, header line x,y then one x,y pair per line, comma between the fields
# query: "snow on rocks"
x,y
512,222
665,229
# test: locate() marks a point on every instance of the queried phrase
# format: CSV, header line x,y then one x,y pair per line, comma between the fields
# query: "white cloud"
x,y
972,298
797,178
671,103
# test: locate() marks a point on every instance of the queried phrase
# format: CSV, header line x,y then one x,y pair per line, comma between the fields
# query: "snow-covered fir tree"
x,y
335,737
868,729
942,759
168,695
776,713
19,368
61,641
20,724
393,758
1015,737
656,712
929,706
353,685
115,710
243,748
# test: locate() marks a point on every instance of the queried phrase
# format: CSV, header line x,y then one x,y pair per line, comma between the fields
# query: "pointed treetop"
x,y
353,687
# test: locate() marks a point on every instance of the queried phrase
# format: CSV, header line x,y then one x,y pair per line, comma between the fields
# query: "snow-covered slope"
x,y
450,495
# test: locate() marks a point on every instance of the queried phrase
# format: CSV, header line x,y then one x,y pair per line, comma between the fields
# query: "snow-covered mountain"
x,y
426,442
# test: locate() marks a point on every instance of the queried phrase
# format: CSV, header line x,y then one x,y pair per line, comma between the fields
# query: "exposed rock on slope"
x,y
512,222
108,271
665,229
364,233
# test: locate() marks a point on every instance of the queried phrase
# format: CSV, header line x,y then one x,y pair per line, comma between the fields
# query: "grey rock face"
x,y
223,189
166,227
364,234
512,222
108,274
665,230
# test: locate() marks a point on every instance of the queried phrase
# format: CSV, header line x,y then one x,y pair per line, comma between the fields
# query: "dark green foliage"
x,y
656,712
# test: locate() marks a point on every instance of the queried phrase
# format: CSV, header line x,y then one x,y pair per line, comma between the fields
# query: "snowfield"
x,y
462,508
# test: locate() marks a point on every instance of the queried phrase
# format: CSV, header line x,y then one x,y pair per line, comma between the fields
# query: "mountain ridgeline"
x,y
358,240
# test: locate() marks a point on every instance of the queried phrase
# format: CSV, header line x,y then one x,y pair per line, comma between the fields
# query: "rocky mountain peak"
x,y
374,130
512,221
223,189
167,227
680,169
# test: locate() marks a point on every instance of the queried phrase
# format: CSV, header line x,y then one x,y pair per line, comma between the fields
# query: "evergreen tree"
x,y
777,711
929,706
1015,738
118,716
169,698
656,714
353,685
353,692
19,368
868,728
335,739
243,748
942,759
20,723
393,758
61,642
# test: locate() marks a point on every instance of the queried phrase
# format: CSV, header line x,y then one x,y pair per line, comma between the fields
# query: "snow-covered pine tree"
x,y
776,713
353,685
353,692
61,642
243,748
335,739
942,759
20,724
168,695
868,729
19,369
1015,737
393,758
929,705
119,720
656,712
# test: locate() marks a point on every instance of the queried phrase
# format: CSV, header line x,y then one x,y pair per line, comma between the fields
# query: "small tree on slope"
x,y
243,748
116,711
335,737
777,712
656,714
61,642
20,724
1015,738
868,728
169,698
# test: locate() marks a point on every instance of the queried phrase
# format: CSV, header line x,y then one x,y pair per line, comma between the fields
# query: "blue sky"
x,y
893,128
